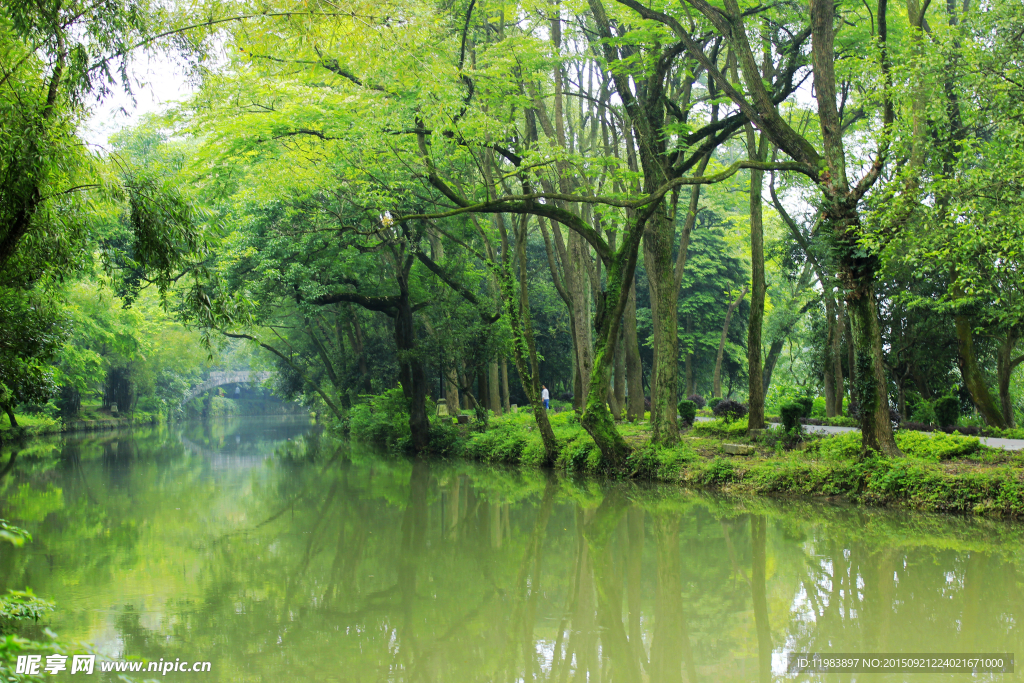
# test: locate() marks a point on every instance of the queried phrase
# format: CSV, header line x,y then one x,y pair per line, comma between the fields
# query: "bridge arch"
x,y
217,379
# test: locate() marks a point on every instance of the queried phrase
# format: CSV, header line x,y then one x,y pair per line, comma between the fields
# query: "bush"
x,y
920,409
947,411
936,446
714,402
688,410
736,429
791,414
818,409
917,426
729,410
382,420
698,399
806,403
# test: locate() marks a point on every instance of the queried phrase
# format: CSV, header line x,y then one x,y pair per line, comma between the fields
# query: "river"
x,y
278,556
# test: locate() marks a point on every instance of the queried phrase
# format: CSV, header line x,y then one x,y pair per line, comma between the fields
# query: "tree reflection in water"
x,y
284,557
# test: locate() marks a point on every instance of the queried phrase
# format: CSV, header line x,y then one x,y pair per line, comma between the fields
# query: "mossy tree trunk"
x,y
1005,364
974,378
757,150
857,274
658,238
634,369
516,302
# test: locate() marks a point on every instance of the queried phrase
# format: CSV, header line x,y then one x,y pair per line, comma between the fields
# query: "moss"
x,y
941,472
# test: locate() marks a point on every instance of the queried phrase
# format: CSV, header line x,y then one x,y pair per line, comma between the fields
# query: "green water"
x,y
259,547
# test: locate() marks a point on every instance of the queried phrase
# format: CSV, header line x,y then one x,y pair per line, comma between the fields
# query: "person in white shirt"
x,y
544,395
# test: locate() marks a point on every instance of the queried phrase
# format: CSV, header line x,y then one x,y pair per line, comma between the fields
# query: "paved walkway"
x,y
1005,444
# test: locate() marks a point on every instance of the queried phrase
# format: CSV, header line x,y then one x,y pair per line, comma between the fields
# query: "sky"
x,y
157,82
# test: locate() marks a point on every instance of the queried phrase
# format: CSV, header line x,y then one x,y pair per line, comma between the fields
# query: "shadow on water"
x,y
276,553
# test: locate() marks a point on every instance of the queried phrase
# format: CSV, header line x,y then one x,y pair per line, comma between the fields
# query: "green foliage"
x,y
14,535
818,407
791,414
21,605
382,420
936,445
729,410
687,410
947,411
807,405
720,427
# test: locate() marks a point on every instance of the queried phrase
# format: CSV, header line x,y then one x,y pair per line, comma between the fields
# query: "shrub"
x,y
729,410
818,410
936,446
853,410
382,420
688,411
917,426
947,411
807,403
921,410
698,399
729,430
791,413
783,439
714,402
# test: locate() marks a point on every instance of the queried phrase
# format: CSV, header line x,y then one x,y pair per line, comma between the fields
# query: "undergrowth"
x,y
943,472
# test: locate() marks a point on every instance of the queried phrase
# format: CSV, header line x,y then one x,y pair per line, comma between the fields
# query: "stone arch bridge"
x,y
217,379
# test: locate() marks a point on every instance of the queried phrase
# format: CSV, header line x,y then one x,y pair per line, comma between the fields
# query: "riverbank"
x,y
41,425
941,472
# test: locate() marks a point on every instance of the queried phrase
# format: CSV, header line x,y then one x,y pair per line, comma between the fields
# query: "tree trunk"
x,y
577,289
619,392
972,375
451,391
413,374
774,351
505,400
716,390
828,363
483,396
837,360
872,388
9,409
755,394
851,350
634,370
691,387
658,239
494,387
516,302
1004,370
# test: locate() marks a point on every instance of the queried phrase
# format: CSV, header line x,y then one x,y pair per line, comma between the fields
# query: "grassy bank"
x,y
941,472
39,425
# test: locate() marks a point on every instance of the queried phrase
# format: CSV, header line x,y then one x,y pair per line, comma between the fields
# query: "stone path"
x,y
1005,444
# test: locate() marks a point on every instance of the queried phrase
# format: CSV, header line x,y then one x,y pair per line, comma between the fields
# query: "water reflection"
x,y
278,555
